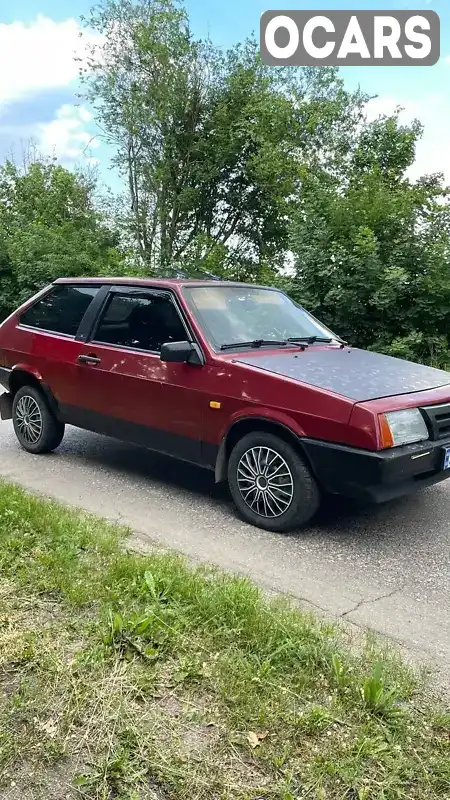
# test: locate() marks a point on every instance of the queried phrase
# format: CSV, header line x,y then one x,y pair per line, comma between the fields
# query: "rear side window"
x,y
60,311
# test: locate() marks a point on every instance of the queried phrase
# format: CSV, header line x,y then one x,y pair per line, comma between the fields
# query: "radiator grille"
x,y
438,421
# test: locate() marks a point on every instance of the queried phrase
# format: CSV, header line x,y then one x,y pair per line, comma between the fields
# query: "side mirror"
x,y
181,353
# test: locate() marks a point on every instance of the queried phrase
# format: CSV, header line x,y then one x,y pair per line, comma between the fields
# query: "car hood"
x,y
353,373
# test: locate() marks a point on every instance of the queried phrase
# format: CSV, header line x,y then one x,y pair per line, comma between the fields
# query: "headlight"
x,y
403,427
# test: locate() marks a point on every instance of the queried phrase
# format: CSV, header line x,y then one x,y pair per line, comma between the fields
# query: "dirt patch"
x,y
55,783
171,706
196,739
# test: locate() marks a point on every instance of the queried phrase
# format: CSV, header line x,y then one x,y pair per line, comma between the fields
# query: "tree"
x,y
237,168
213,147
49,227
372,251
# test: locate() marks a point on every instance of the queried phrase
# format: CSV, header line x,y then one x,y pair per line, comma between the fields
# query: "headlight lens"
x,y
406,426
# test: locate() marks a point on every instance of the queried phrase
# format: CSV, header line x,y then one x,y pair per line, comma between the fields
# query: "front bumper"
x,y
376,476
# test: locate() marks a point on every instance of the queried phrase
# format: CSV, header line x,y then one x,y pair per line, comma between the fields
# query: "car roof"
x,y
152,282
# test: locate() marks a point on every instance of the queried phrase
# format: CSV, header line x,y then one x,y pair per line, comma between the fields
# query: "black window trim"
x,y
135,290
92,313
45,293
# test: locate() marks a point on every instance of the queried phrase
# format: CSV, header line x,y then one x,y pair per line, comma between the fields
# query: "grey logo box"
x,y
383,38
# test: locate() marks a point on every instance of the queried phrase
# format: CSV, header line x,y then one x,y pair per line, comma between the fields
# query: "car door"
x,y
125,389
45,341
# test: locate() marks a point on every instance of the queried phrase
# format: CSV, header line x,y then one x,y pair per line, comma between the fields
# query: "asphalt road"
x,y
386,568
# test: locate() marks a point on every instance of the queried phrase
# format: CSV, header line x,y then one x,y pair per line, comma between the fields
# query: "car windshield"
x,y
237,315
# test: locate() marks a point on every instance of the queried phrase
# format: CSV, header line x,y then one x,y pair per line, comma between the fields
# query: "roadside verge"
x,y
136,676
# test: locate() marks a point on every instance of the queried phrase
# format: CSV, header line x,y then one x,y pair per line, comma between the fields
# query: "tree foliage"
x,y
372,250
245,171
213,146
49,227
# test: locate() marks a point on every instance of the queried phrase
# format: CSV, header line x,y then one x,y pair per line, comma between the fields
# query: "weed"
x,y
375,695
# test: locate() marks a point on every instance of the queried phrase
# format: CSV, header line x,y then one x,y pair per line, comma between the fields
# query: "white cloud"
x,y
39,56
66,136
432,151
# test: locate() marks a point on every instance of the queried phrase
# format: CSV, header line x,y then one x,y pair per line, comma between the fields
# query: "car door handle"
x,y
89,360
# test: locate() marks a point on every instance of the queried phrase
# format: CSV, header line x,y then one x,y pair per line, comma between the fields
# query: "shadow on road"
x,y
338,518
120,456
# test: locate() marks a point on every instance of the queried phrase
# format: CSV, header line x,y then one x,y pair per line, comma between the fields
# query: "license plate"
x,y
446,458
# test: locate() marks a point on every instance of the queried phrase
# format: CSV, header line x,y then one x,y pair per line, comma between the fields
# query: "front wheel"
x,y
271,485
36,428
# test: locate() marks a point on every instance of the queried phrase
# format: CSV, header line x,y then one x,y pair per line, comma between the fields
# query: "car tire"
x,y
36,427
284,500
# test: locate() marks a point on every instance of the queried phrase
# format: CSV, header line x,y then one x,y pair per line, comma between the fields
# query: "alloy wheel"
x,y
29,419
265,482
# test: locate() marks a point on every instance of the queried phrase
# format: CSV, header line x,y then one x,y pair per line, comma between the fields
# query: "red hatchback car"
x,y
235,378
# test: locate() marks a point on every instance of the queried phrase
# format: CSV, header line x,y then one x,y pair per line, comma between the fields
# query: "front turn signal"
x,y
387,439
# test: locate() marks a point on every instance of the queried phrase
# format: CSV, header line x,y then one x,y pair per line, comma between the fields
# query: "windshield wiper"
x,y
257,343
310,339
301,341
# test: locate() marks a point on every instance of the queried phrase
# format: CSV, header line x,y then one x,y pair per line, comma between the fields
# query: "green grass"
x,y
136,677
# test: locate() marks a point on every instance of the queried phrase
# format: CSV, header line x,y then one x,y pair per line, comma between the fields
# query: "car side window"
x,y
144,322
61,310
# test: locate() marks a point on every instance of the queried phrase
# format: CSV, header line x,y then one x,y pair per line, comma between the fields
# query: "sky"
x,y
39,85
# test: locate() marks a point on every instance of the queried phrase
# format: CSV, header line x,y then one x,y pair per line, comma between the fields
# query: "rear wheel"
x,y
271,485
36,427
